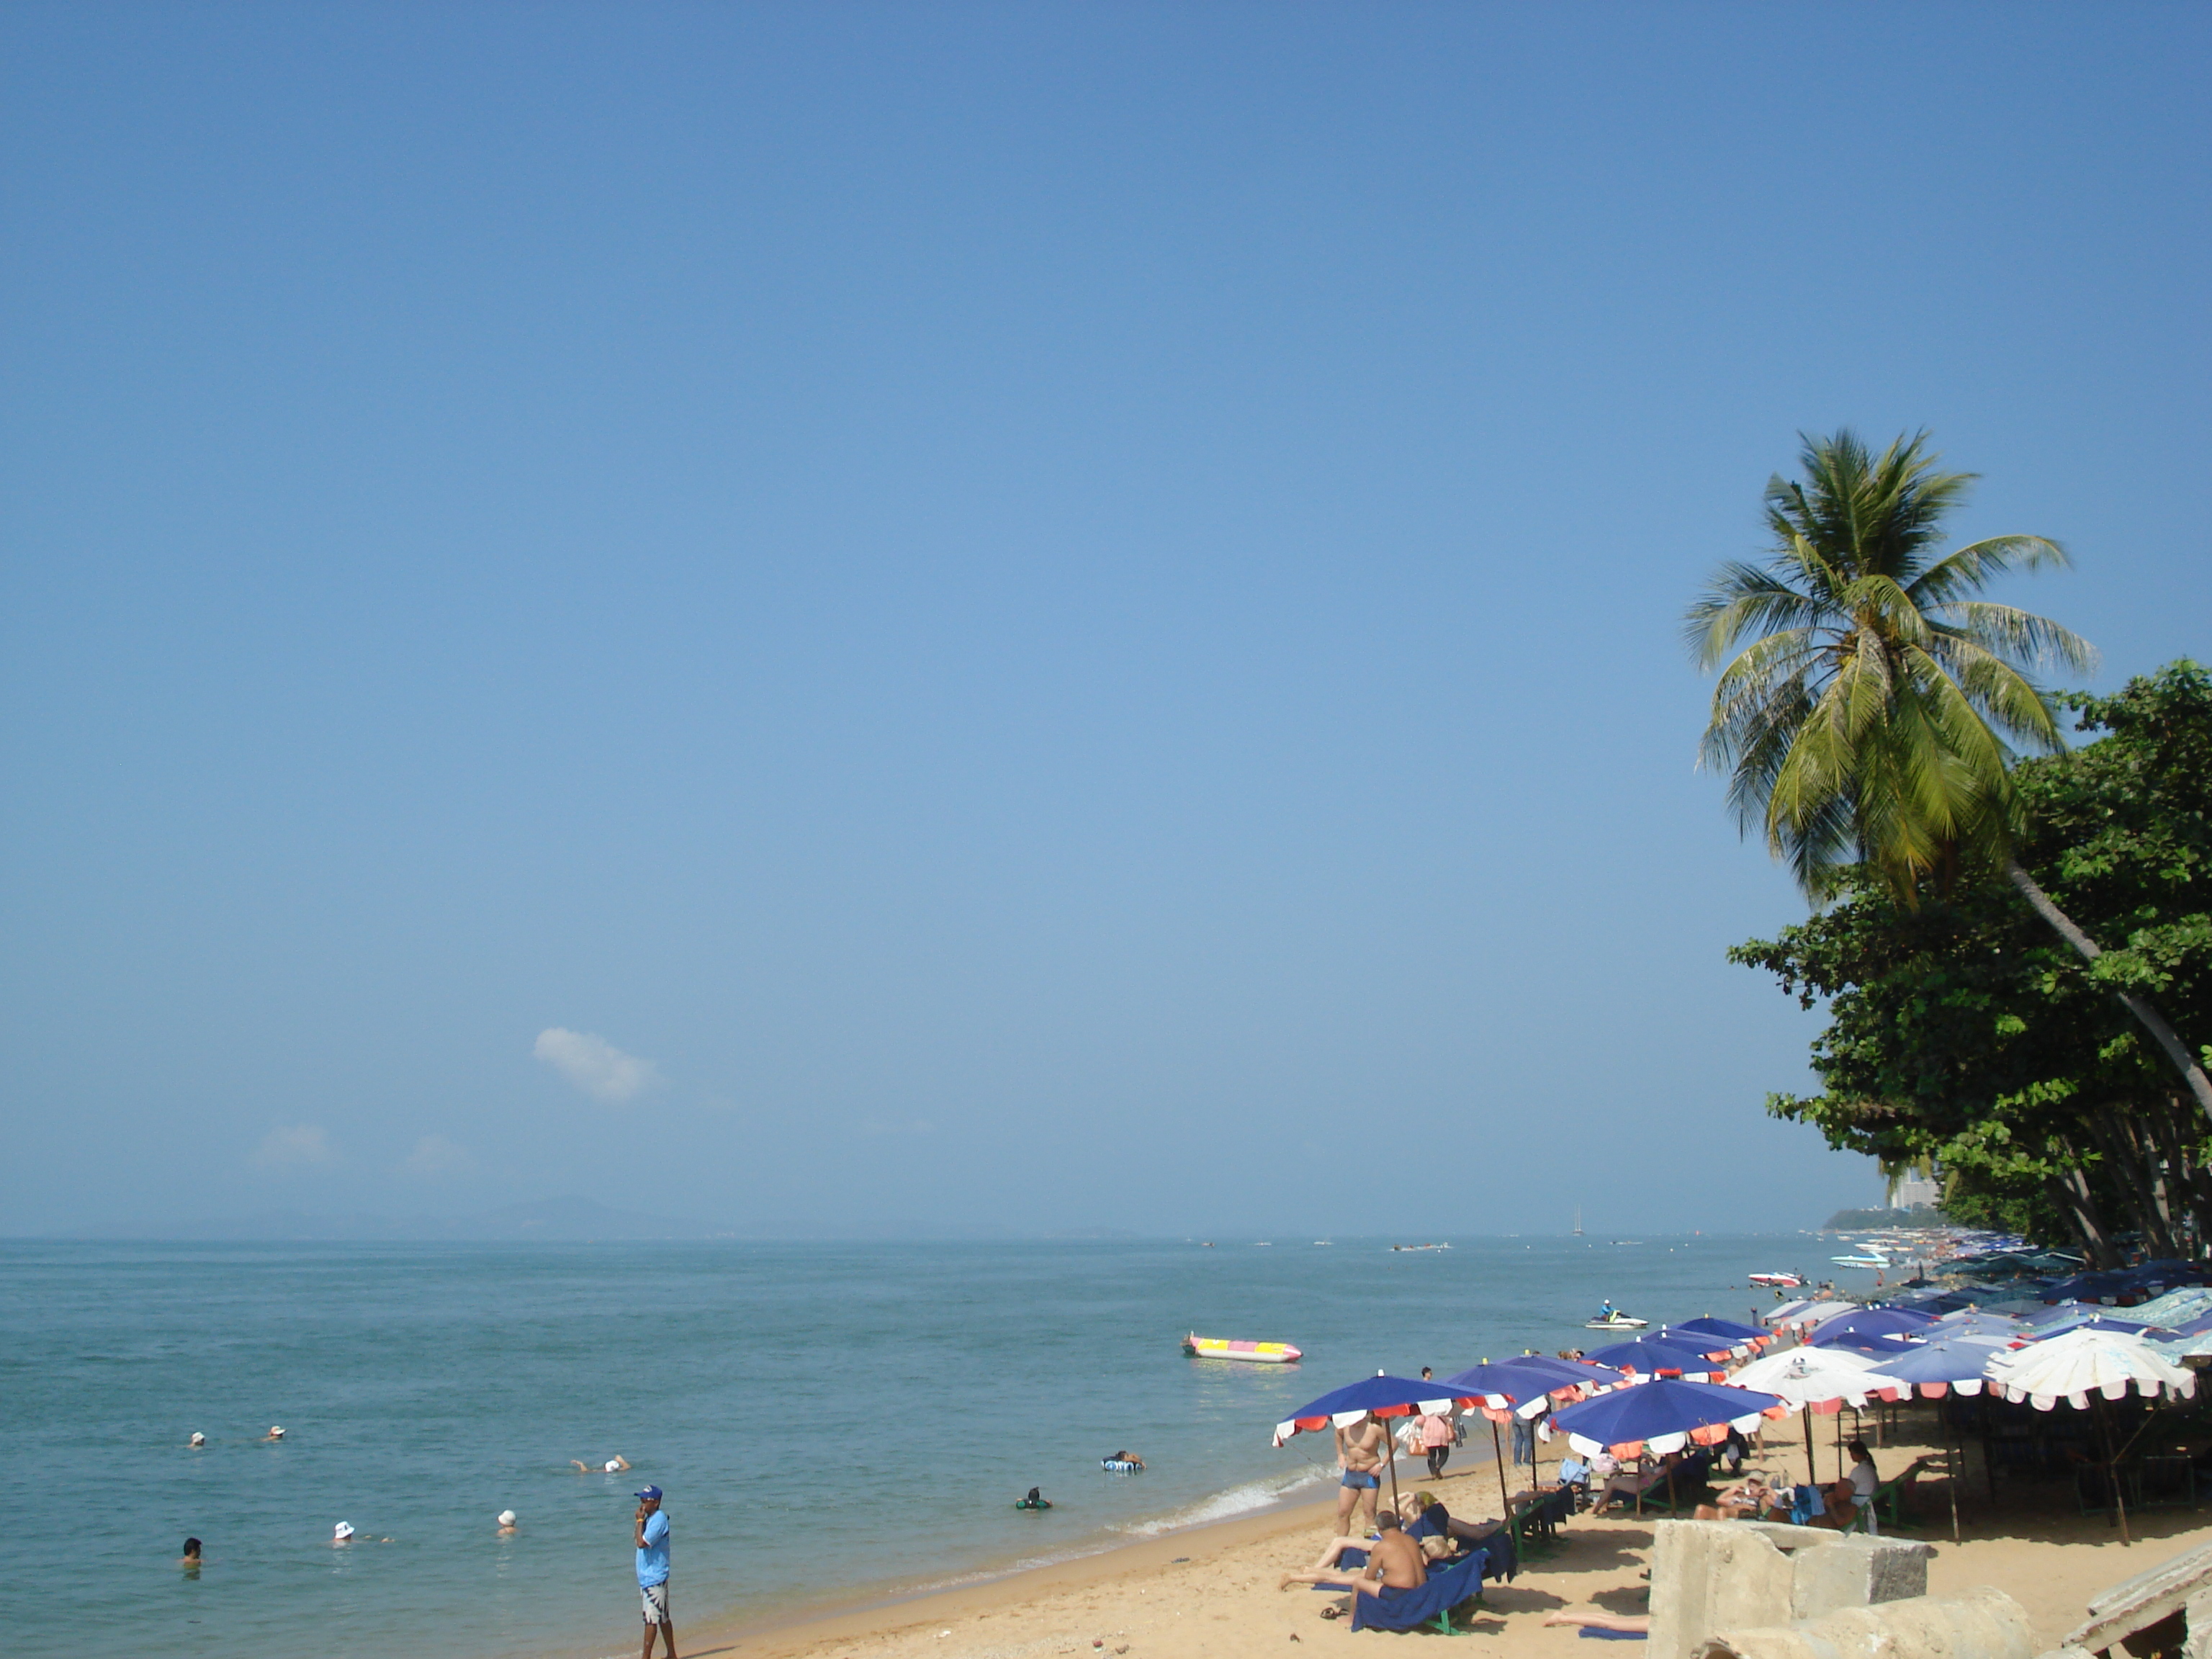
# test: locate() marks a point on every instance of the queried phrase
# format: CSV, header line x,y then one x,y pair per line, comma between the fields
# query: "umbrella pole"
x,y
1958,1474
1498,1462
1390,1451
2112,1470
1812,1467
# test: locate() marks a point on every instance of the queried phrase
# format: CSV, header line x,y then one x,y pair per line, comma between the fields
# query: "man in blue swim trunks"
x,y
1359,1449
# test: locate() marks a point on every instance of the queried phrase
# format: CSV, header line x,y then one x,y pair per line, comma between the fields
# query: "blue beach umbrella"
x,y
1871,1321
1531,1377
1934,1369
1523,1381
1660,1416
1727,1329
1655,1356
1381,1395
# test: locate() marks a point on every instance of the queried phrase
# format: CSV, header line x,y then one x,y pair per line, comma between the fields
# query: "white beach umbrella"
x,y
2082,1363
1818,1382
1822,1379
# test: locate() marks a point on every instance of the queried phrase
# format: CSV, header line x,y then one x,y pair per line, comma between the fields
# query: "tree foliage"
x,y
1959,1028
1871,700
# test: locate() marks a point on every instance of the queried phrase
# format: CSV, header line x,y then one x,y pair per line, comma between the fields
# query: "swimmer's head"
x,y
614,1466
197,1439
275,1433
342,1531
191,1549
506,1517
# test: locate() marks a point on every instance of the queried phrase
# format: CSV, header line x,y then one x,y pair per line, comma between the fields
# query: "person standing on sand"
x,y
1359,1455
652,1570
1436,1442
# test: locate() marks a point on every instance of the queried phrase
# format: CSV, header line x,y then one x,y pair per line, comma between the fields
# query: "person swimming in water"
x,y
614,1465
1129,1457
1036,1500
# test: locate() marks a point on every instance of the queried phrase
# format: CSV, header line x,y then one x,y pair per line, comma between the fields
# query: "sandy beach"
x,y
1212,1590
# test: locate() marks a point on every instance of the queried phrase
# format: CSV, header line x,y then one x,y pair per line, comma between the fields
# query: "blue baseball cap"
x,y
652,1493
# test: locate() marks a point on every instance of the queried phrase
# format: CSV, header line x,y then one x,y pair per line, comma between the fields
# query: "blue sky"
x,y
1051,614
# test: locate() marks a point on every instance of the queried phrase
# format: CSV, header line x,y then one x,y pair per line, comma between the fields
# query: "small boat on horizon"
x,y
1777,1281
1259,1353
1420,1247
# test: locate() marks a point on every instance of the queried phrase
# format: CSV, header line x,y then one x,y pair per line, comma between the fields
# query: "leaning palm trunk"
x,y
2145,1011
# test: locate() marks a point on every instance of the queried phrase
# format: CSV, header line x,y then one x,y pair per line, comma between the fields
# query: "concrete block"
x,y
1981,1624
1856,1572
1713,1575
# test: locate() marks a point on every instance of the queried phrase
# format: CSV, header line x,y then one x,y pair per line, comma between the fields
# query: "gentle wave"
x,y
1246,1499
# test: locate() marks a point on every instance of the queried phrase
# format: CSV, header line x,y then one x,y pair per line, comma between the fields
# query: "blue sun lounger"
x,y
1425,1604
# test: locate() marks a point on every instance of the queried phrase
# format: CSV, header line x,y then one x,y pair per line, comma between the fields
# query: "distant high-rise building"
x,y
1914,1189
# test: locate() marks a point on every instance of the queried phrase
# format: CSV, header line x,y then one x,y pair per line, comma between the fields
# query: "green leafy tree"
x,y
1960,1028
1870,705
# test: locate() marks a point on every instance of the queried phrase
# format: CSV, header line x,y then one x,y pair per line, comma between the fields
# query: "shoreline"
x,y
882,1616
1210,1590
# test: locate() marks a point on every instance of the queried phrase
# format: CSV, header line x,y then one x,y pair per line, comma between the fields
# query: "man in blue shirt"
x,y
653,1570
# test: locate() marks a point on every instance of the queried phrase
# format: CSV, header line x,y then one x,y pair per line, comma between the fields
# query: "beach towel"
x,y
1591,1633
1407,1608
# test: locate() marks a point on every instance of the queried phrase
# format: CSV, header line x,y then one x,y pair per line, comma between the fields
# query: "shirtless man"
x,y
1394,1562
1359,1450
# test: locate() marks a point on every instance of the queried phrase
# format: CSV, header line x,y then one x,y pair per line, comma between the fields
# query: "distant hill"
x,y
1921,1219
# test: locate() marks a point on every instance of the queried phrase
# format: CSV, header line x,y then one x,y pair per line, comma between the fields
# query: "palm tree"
x,y
1873,703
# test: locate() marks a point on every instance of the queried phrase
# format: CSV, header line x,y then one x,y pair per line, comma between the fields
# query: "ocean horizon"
x,y
834,1422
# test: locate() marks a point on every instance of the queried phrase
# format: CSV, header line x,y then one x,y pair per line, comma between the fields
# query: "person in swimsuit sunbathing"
x,y
1394,1562
1359,1450
1627,1486
1753,1498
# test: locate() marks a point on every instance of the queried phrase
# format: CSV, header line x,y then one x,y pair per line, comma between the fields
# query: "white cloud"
x,y
301,1147
435,1156
595,1064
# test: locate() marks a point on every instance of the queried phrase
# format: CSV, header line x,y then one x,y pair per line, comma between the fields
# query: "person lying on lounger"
x,y
1394,1562
1628,1623
1628,1487
1752,1497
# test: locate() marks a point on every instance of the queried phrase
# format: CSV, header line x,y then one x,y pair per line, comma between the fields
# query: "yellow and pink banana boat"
x,y
1220,1347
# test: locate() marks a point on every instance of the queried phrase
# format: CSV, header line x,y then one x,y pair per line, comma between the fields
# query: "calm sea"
x,y
832,1422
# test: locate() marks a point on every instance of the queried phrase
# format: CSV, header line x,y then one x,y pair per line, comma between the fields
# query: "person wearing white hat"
x,y
197,1439
506,1523
343,1533
614,1465
275,1433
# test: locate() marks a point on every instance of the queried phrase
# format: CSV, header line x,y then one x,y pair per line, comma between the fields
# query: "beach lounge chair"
x,y
1425,1604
